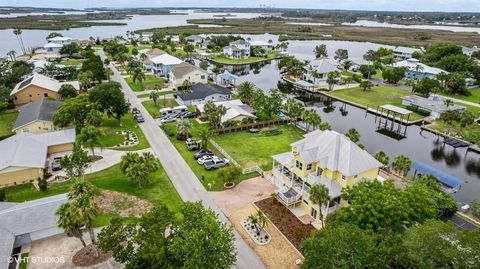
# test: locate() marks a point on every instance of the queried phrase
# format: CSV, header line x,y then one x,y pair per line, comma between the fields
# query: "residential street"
x,y
182,177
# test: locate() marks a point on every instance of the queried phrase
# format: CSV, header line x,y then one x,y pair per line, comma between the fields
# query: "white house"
x,y
404,53
239,49
268,47
150,53
161,65
417,70
62,40
316,72
145,37
236,110
185,71
200,93
433,104
55,44
196,40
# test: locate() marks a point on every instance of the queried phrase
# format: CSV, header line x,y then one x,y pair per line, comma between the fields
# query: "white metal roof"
x,y
415,64
235,108
260,43
44,82
166,59
30,150
52,45
322,65
336,152
397,109
59,38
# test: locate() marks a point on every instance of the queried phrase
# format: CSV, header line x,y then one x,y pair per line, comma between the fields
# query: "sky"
x,y
399,5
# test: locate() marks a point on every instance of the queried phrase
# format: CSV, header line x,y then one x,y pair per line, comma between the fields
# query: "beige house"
x,y
236,110
185,71
36,117
37,87
23,156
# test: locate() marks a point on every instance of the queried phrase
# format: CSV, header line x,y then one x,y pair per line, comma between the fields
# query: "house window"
x,y
45,95
299,165
355,176
309,166
344,177
305,202
319,171
203,77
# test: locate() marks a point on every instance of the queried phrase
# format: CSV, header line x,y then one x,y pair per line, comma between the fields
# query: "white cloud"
x,y
403,5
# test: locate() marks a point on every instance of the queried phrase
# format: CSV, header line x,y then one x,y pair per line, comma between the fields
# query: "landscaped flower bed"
x,y
285,221
258,235
130,139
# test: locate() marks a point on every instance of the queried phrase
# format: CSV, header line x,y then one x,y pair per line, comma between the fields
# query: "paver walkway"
x,y
183,179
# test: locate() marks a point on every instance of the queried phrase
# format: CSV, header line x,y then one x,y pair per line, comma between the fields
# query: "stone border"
x,y
133,141
245,223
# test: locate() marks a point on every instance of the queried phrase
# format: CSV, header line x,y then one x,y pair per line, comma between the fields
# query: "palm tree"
x,y
315,120
442,77
183,127
12,56
324,126
411,83
307,118
366,85
402,164
319,194
90,137
154,95
448,102
246,91
69,221
294,109
18,33
382,157
353,135
186,85
332,79
203,133
138,76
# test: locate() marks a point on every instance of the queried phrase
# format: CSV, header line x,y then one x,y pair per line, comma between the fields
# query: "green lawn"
x,y
474,97
151,82
257,149
375,97
139,48
199,170
224,60
160,188
469,133
72,62
6,123
110,126
161,93
154,110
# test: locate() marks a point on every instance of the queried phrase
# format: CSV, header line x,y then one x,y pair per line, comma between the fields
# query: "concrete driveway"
x,y
243,194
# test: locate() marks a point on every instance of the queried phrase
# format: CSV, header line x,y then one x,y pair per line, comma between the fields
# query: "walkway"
x,y
182,177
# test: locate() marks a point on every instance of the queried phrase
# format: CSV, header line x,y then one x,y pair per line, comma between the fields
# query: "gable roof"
x,y
166,59
30,150
240,42
154,52
234,108
39,110
336,152
24,218
200,91
42,81
322,65
415,64
184,69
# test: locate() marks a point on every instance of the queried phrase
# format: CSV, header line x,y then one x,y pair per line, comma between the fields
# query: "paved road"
x,y
182,177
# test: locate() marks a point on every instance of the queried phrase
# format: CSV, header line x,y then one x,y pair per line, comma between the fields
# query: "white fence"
x,y
232,160
252,169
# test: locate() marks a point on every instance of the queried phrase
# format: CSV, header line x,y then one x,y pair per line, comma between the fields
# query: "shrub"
x,y
475,207
42,184
3,195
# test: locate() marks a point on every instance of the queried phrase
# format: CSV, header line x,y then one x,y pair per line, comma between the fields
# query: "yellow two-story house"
x,y
322,157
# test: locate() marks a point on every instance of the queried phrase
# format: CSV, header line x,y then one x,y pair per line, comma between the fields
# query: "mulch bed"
x,y
122,204
84,257
285,221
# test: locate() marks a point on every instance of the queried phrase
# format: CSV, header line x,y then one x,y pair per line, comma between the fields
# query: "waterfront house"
x,y
236,110
185,71
267,47
25,155
36,117
434,104
316,72
145,37
196,40
416,70
200,93
37,87
62,40
404,53
163,64
150,54
322,157
239,49
27,222
55,44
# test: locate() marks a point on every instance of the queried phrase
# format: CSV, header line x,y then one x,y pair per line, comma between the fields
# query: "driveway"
x,y
182,177
245,193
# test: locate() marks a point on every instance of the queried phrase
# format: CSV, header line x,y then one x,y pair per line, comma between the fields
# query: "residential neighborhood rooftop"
x,y
43,109
235,108
201,90
183,69
166,59
42,81
415,65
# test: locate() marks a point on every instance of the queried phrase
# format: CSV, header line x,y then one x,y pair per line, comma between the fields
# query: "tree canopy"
x,y
110,99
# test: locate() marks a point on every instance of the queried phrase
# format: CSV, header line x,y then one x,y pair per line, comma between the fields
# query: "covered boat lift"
x,y
447,180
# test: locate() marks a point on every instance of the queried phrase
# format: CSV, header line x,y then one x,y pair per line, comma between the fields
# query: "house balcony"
x,y
334,188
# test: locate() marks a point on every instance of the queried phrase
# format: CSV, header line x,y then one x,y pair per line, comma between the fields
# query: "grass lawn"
x,y
139,48
6,123
199,170
257,149
225,60
151,82
161,103
375,97
72,62
474,97
160,189
469,133
161,93
110,126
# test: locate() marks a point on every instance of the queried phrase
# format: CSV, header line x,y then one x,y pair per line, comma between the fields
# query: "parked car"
x,y
139,118
201,153
215,163
205,159
188,115
56,164
193,144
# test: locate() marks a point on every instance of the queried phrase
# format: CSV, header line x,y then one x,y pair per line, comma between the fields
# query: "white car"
x,y
205,159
